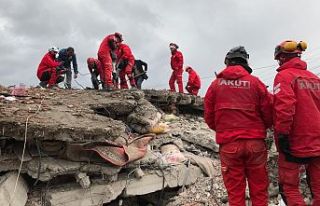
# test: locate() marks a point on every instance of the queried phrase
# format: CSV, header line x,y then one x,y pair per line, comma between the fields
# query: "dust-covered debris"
x,y
88,148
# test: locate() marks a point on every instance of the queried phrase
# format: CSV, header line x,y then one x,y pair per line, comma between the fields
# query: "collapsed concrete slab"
x,y
165,100
99,192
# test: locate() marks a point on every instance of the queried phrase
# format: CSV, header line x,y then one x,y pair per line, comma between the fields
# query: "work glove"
x,y
284,144
75,75
284,147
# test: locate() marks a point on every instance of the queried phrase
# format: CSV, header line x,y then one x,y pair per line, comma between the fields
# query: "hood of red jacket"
x,y
295,63
233,72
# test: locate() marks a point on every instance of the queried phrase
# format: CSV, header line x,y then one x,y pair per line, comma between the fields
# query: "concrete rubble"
x,y
84,147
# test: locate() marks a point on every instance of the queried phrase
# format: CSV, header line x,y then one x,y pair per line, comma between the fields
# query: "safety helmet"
x,y
290,47
174,45
237,52
53,49
187,68
118,36
90,60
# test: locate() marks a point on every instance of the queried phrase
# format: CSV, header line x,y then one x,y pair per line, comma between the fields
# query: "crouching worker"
x,y
194,82
239,108
95,69
140,72
50,73
124,65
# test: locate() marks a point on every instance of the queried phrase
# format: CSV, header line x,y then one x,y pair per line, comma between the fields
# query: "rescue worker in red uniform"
x,y
95,69
49,71
124,65
194,82
296,123
239,108
106,53
177,68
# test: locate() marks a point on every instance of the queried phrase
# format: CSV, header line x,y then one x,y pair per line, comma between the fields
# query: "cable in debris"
x,y
23,151
39,162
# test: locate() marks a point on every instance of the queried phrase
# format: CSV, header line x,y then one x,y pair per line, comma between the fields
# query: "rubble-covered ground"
x,y
130,148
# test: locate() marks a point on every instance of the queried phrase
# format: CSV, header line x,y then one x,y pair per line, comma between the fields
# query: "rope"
x,y
23,151
79,84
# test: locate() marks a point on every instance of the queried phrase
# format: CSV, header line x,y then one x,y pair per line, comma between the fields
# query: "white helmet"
x,y
54,49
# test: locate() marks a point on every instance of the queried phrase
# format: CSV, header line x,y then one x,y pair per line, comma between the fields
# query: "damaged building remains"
x,y
129,148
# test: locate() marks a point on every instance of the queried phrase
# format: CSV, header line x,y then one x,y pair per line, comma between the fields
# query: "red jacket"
x,y
48,62
238,106
96,65
177,60
124,53
297,107
105,48
194,79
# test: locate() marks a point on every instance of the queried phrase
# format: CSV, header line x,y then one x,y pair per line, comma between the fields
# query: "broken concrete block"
x,y
9,197
83,179
177,176
97,194
144,117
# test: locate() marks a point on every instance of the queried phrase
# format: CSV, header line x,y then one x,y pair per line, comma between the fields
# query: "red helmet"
x,y
118,36
290,47
90,60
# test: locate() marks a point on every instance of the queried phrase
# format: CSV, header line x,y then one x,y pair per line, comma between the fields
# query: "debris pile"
x,y
78,147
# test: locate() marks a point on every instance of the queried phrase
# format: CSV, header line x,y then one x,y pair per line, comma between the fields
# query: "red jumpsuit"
x,y
239,108
177,67
104,56
47,69
94,66
297,114
124,54
194,82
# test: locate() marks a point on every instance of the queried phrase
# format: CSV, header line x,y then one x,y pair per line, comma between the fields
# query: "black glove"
x,y
284,147
145,76
284,144
122,64
61,70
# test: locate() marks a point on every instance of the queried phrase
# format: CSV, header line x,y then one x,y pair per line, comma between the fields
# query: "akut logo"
x,y
235,83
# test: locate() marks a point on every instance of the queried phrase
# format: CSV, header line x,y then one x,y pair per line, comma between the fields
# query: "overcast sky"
x,y
204,29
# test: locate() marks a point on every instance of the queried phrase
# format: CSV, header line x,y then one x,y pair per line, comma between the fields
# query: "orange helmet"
x,y
290,47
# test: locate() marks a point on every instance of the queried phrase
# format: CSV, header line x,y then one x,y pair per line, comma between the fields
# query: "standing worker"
x,y
95,69
239,108
140,72
106,52
194,82
124,65
177,68
67,56
297,123
49,71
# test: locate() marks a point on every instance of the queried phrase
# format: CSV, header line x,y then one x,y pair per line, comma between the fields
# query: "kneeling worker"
x,y
194,82
95,69
49,71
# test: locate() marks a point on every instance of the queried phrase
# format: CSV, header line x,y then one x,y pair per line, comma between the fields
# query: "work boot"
x,y
43,84
54,87
107,88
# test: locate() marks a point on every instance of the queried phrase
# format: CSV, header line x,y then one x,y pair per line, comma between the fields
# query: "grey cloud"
x,y
204,29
